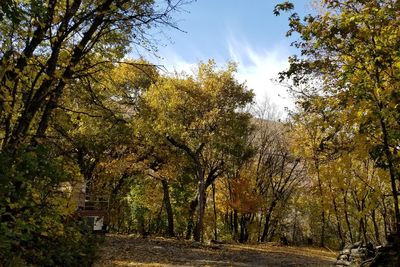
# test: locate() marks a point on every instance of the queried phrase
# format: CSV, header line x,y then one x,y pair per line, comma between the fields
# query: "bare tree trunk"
x,y
198,233
321,193
364,230
244,235
394,177
168,208
235,225
376,227
215,213
192,210
268,221
338,224
385,217
346,216
259,228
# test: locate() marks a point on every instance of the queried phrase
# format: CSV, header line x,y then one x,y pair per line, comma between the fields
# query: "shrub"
x,y
37,228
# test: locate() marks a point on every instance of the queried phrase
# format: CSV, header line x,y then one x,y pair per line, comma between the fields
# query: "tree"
x,y
56,43
199,115
94,126
55,56
258,188
348,187
165,165
349,68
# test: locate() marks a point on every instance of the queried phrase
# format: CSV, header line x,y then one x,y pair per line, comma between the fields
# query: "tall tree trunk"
x,y
394,176
268,221
198,233
215,213
338,224
385,218
260,227
243,229
321,193
192,210
273,228
346,216
376,227
168,208
363,223
235,225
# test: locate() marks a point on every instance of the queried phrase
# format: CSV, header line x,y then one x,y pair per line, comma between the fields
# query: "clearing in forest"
x,y
120,250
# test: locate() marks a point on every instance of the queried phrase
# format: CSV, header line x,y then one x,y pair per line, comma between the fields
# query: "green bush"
x,y
36,227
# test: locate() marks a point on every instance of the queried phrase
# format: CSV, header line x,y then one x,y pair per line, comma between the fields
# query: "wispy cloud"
x,y
258,68
172,61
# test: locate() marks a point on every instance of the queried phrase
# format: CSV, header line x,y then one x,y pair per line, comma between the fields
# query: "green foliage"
x,y
344,81
285,6
199,109
10,10
66,105
200,116
145,203
182,192
353,55
37,226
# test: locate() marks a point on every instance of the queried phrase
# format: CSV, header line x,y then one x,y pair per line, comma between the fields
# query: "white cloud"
x,y
172,61
258,68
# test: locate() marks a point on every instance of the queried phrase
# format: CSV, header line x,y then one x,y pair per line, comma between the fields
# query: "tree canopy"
x,y
89,136
346,80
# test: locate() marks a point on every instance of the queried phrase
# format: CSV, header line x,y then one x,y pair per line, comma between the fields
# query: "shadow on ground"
x,y
119,250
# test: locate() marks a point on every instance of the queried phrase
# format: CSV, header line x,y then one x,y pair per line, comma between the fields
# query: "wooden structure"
x,y
94,208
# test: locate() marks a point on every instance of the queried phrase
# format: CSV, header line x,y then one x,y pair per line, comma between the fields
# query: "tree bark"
x,y
376,227
393,176
338,224
323,223
385,218
215,213
244,235
235,225
259,228
267,221
168,208
192,210
35,104
346,216
198,233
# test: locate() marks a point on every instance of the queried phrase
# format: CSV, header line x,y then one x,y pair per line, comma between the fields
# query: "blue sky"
x,y
244,31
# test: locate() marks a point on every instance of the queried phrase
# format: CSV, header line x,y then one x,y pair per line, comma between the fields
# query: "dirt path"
x,y
119,250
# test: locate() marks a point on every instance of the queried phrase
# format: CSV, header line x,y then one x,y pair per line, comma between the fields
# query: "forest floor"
x,y
123,250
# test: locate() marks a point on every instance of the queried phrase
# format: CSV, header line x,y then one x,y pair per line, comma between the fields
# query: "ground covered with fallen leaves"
x,y
123,250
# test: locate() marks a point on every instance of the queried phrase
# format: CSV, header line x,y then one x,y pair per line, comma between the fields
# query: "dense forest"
x,y
191,154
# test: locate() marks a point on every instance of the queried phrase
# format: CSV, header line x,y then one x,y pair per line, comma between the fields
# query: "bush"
x,y
37,228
